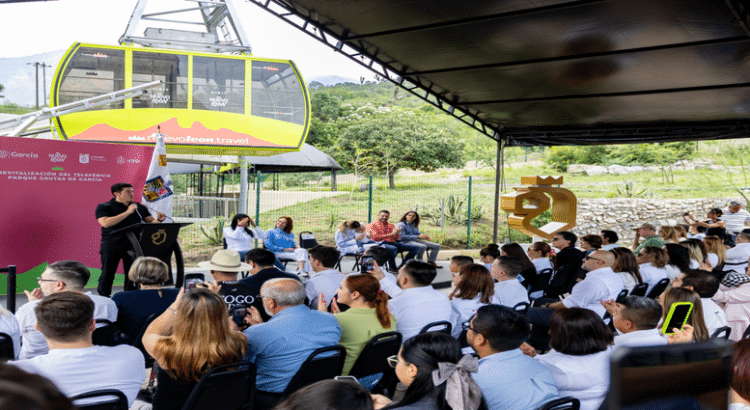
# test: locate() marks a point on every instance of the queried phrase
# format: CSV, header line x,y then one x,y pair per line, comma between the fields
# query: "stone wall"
x,y
622,215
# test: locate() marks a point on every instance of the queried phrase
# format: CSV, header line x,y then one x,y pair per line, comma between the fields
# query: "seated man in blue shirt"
x,y
508,378
280,346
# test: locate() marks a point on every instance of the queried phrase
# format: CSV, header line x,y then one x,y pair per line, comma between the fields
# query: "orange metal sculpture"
x,y
530,201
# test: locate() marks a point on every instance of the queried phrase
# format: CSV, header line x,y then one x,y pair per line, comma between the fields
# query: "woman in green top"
x,y
367,316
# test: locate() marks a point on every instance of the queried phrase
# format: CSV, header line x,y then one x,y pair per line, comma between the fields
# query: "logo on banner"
x,y
83,158
134,161
162,160
57,157
155,190
3,154
120,160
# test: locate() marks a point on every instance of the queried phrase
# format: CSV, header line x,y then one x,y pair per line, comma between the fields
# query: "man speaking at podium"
x,y
118,213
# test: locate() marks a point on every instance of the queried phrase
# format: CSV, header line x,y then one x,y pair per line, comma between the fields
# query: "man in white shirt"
x,y
736,258
705,285
637,318
508,290
609,240
735,217
324,278
60,276
415,302
74,364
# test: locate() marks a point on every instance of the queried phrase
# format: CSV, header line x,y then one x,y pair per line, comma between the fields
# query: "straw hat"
x,y
225,260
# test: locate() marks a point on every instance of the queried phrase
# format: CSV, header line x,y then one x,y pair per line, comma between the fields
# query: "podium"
x,y
160,241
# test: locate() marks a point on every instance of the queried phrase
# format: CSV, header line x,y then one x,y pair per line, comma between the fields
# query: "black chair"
x,y
440,326
104,335
307,240
138,343
522,307
6,347
112,399
373,359
747,333
231,386
542,280
622,295
639,289
722,333
658,288
356,256
324,363
563,403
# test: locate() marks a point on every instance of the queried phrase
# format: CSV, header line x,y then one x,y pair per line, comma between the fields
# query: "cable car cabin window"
x,y
219,84
277,93
172,69
91,72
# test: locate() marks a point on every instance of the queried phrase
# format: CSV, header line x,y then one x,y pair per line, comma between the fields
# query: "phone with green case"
x,y
677,316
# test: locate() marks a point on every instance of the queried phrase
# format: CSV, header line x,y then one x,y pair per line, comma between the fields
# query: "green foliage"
x,y
651,154
454,211
12,108
630,190
560,157
215,234
543,219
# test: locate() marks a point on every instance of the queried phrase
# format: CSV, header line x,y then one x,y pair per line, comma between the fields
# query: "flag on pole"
x,y
157,192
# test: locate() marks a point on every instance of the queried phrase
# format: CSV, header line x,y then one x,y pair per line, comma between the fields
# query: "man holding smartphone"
x,y
224,266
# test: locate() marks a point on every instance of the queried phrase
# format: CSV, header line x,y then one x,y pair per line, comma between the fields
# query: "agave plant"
x,y
215,234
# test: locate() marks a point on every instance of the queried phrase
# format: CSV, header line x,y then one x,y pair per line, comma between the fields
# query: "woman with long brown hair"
x,y
627,267
651,262
473,288
677,294
367,316
716,250
190,337
528,273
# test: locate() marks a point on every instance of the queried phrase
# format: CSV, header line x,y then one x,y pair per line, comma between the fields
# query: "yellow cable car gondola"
x,y
209,103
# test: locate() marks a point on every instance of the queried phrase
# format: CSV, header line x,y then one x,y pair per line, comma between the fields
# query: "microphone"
x,y
152,209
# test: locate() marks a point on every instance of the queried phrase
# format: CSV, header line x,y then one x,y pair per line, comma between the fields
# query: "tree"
x,y
388,139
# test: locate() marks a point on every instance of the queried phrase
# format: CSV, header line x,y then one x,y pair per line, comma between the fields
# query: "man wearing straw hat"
x,y
224,266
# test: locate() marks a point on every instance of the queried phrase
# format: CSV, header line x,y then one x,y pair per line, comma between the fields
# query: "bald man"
x,y
278,347
601,283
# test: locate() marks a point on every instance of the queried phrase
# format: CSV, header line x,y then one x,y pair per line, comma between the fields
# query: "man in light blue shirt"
x,y
508,378
280,346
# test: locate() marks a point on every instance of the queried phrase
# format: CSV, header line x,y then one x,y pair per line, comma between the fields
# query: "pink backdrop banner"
x,y
50,190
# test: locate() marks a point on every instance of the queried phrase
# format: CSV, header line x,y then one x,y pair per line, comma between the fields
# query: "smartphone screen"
x,y
238,315
677,316
192,280
367,264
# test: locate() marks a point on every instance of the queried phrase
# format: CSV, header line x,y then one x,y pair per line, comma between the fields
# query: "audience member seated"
x,y
739,393
527,276
609,239
187,340
280,346
679,260
697,232
669,234
135,306
716,251
488,254
539,254
567,263
325,279
698,254
627,267
261,268
9,325
579,360
20,390
408,228
367,316
415,302
682,231
637,319
508,290
695,320
60,276
224,267
508,378
239,235
590,243
381,257
387,234
652,262
436,376
280,241
734,293
601,283
737,257
713,224
458,262
74,364
646,231
705,285
352,238
473,288
329,395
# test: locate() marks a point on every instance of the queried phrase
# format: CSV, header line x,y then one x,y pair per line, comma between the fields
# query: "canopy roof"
x,y
549,72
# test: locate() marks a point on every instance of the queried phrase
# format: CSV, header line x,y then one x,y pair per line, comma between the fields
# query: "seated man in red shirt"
x,y
385,232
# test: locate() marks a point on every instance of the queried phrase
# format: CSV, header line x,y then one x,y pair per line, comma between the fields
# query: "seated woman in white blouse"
x,y
579,360
473,288
627,267
240,236
652,262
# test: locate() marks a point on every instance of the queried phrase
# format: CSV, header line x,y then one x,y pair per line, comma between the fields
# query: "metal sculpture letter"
x,y
530,201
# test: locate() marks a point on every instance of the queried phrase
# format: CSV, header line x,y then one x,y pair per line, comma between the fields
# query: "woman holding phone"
x,y
675,294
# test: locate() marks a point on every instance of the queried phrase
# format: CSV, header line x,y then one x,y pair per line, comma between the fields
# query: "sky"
x,y
37,27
